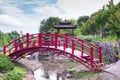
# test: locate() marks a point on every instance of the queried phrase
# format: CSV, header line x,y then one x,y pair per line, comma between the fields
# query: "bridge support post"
x,y
56,39
39,40
82,48
91,56
73,47
15,45
27,40
52,40
66,40
100,54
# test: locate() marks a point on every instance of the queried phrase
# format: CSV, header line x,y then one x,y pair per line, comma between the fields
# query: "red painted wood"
x,y
15,45
64,46
100,54
56,39
91,56
27,40
34,43
52,39
40,40
73,47
66,40
82,48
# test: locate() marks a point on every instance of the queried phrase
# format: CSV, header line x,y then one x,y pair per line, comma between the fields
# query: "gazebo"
x,y
65,25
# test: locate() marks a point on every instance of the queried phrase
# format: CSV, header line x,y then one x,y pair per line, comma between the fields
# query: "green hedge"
x,y
6,64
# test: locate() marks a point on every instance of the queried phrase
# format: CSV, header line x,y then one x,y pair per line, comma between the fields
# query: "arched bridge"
x,y
78,49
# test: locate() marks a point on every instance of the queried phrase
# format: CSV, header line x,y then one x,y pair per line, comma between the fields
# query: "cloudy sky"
x,y
26,15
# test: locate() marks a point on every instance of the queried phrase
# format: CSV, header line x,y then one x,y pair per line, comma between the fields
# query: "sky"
x,y
26,15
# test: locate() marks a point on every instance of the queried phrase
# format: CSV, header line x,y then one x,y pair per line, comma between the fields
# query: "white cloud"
x,y
10,9
15,18
76,8
24,23
9,20
48,10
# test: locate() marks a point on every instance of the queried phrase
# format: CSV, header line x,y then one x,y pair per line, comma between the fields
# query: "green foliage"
x,y
105,22
5,38
47,25
82,74
82,19
14,76
5,64
20,69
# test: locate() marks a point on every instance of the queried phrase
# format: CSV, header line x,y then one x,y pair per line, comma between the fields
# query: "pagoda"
x,y
65,25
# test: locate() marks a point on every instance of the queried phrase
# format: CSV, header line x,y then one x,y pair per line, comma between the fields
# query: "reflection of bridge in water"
x,y
63,44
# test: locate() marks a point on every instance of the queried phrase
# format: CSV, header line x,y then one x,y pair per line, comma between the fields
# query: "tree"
x,y
5,38
82,19
47,25
114,24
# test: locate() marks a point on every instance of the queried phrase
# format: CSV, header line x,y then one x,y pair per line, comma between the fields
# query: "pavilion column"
x,y
58,30
73,32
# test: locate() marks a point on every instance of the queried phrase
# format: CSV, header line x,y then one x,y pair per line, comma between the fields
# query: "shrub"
x,y
5,64
14,76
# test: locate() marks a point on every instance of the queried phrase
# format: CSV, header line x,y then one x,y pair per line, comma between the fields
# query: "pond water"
x,y
40,75
51,70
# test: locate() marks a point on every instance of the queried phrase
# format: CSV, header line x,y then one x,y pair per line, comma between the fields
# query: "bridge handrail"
x,y
84,41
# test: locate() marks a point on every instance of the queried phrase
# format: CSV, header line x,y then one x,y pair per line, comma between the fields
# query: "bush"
x,y
14,76
5,64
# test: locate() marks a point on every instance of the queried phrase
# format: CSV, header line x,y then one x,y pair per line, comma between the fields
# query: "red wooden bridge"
x,y
63,44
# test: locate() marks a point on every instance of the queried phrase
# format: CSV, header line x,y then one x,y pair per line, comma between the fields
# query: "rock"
x,y
111,73
119,47
108,51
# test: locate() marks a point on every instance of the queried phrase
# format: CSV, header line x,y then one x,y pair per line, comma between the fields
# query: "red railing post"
x,y
91,56
15,45
33,44
52,39
73,47
27,40
66,40
100,54
56,39
82,48
4,49
64,46
39,40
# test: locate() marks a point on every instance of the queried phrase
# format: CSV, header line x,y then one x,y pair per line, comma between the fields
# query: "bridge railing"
x,y
69,42
56,40
97,50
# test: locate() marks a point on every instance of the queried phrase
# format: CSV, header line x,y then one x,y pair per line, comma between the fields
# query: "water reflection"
x,y
40,75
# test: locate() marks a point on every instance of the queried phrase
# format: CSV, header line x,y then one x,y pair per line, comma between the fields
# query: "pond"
x,y
51,69
40,75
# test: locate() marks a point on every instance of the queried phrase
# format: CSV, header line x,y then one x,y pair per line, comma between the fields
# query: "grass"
x,y
99,38
86,76
1,77
20,69
72,64
82,74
